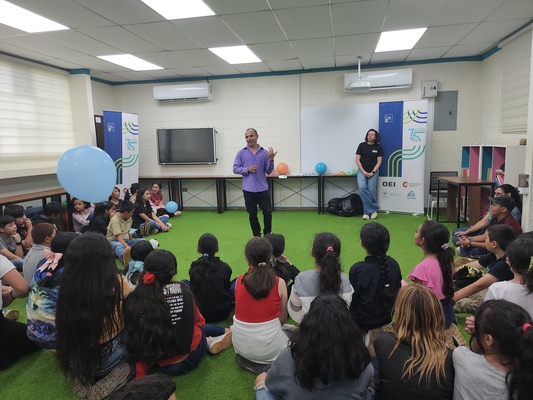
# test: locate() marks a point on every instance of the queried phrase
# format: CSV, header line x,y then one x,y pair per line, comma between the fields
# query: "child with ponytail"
x,y
376,281
499,363
210,281
163,323
260,309
326,278
436,269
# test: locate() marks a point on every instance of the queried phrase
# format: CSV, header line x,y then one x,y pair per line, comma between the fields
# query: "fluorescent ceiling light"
x,y
131,62
236,54
179,9
25,20
399,40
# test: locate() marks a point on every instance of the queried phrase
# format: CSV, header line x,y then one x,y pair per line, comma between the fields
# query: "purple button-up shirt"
x,y
253,181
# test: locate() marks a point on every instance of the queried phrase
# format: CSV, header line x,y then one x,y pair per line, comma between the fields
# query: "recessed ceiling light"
x,y
399,40
179,9
131,62
25,20
236,54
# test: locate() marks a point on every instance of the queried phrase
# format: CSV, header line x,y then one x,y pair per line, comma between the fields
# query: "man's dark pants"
x,y
261,199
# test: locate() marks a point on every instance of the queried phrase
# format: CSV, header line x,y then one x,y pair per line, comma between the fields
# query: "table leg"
x,y
453,199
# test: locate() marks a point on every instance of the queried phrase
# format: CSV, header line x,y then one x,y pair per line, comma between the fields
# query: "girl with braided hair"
x,y
326,277
211,281
376,281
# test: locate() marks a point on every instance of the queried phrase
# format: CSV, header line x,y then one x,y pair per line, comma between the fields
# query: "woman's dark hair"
x,y
139,200
436,237
88,306
101,208
278,243
514,195
329,346
111,195
158,184
139,251
260,278
133,189
376,239
377,135
519,255
146,312
207,246
148,387
326,251
504,321
59,244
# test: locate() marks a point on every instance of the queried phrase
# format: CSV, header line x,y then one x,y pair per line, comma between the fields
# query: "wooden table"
x,y
53,194
472,198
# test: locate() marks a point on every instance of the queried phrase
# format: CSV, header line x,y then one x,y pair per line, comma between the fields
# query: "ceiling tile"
x,y
444,35
208,31
359,17
467,50
237,6
257,27
273,51
390,56
222,70
319,62
460,11
284,65
252,68
429,53
303,23
492,31
121,11
122,39
513,9
313,47
400,14
37,44
76,40
164,35
356,44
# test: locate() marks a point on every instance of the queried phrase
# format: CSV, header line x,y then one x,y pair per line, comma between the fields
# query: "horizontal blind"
x,y
515,70
35,117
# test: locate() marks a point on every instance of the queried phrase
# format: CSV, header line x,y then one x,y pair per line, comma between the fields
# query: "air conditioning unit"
x,y
378,80
183,92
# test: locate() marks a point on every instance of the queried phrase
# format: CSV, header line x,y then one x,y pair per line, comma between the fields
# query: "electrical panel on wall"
x,y
429,88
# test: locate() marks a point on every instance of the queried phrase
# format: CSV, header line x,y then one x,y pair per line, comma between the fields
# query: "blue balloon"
x,y
171,207
321,168
87,172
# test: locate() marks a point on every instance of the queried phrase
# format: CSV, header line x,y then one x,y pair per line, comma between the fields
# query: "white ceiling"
x,y
287,35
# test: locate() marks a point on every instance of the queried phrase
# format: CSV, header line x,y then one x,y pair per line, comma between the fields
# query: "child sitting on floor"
x,y
82,214
138,253
281,264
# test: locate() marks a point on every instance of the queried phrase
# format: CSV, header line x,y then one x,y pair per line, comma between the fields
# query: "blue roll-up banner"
x,y
403,134
121,142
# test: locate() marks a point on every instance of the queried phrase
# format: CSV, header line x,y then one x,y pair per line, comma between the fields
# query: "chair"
x,y
434,186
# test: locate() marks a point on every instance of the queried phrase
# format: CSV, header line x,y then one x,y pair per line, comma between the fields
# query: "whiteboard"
x,y
331,134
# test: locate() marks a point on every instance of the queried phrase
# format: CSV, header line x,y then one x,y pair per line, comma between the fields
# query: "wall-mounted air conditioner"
x,y
183,92
386,79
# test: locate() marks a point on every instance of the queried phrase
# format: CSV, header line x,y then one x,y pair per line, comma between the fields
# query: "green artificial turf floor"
x,y
218,377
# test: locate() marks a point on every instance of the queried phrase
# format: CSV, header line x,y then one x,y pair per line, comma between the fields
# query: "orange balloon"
x,y
282,168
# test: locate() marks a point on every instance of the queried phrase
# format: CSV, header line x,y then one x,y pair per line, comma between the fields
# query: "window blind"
x,y
35,118
515,76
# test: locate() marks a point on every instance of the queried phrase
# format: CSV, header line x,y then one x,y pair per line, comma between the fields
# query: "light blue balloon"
x,y
87,172
321,168
171,207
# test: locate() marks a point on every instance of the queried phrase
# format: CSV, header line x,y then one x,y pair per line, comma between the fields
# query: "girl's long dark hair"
x,y
88,306
132,190
329,346
376,239
139,200
101,208
326,251
505,322
260,278
207,246
436,237
147,314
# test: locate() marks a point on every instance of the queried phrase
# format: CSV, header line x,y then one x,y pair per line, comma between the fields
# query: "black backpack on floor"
x,y
346,206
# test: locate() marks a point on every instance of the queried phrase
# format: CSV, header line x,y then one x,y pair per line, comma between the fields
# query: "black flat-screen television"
x,y
186,146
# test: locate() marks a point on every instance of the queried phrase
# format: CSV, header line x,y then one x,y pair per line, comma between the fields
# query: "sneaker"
x,y
366,216
374,215
126,256
154,243
154,231
79,390
177,213
144,229
256,368
169,225
218,343
111,382
11,314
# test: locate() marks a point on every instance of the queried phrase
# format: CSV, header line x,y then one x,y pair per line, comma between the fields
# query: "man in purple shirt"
x,y
254,162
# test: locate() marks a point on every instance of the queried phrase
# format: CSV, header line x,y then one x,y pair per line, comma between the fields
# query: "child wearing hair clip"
x,y
211,281
44,288
498,364
326,277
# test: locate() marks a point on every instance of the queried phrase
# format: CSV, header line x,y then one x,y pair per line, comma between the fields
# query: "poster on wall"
x,y
403,134
121,142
